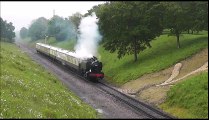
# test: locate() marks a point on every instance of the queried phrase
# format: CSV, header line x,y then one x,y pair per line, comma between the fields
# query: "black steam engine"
x,y
93,68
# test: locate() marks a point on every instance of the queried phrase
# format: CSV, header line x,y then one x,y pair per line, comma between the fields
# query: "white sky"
x,y
22,13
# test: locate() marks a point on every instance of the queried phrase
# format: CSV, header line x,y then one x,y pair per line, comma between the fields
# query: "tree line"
x,y
58,27
7,31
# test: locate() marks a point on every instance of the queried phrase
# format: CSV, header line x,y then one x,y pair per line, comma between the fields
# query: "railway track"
x,y
138,106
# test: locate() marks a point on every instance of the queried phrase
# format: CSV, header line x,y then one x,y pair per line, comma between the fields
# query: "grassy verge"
x,y
163,54
28,91
189,99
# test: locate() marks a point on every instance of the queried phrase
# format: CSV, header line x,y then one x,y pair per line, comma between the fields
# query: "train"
x,y
90,68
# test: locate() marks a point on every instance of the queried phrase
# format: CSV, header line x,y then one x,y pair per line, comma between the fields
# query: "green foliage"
x,y
28,91
66,44
7,31
201,19
163,54
7,40
58,27
23,33
38,29
182,16
95,9
175,19
61,29
126,31
76,19
196,15
191,95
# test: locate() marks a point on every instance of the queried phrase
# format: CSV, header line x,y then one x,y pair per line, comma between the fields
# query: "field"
x,y
29,91
189,99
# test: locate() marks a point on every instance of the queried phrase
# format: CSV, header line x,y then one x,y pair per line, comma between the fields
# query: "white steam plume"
x,y
89,37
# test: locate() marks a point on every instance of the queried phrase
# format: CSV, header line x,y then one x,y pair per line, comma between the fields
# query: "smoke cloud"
x,y
89,37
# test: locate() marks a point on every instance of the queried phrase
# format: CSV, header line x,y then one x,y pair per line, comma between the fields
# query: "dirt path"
x,y
153,87
176,72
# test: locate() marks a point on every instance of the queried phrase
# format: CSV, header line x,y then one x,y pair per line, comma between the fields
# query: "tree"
x,y
61,29
7,31
38,29
76,20
201,16
23,32
190,14
196,15
94,9
128,27
175,19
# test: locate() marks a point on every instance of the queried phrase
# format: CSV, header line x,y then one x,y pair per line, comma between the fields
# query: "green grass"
x,y
66,44
189,99
29,91
163,54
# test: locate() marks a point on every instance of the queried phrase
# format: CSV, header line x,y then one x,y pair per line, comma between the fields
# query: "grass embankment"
x,y
163,54
28,91
189,99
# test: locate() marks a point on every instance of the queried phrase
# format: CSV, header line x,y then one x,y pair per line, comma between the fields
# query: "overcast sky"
x,y
22,13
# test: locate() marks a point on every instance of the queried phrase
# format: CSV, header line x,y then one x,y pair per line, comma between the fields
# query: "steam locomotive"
x,y
90,68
